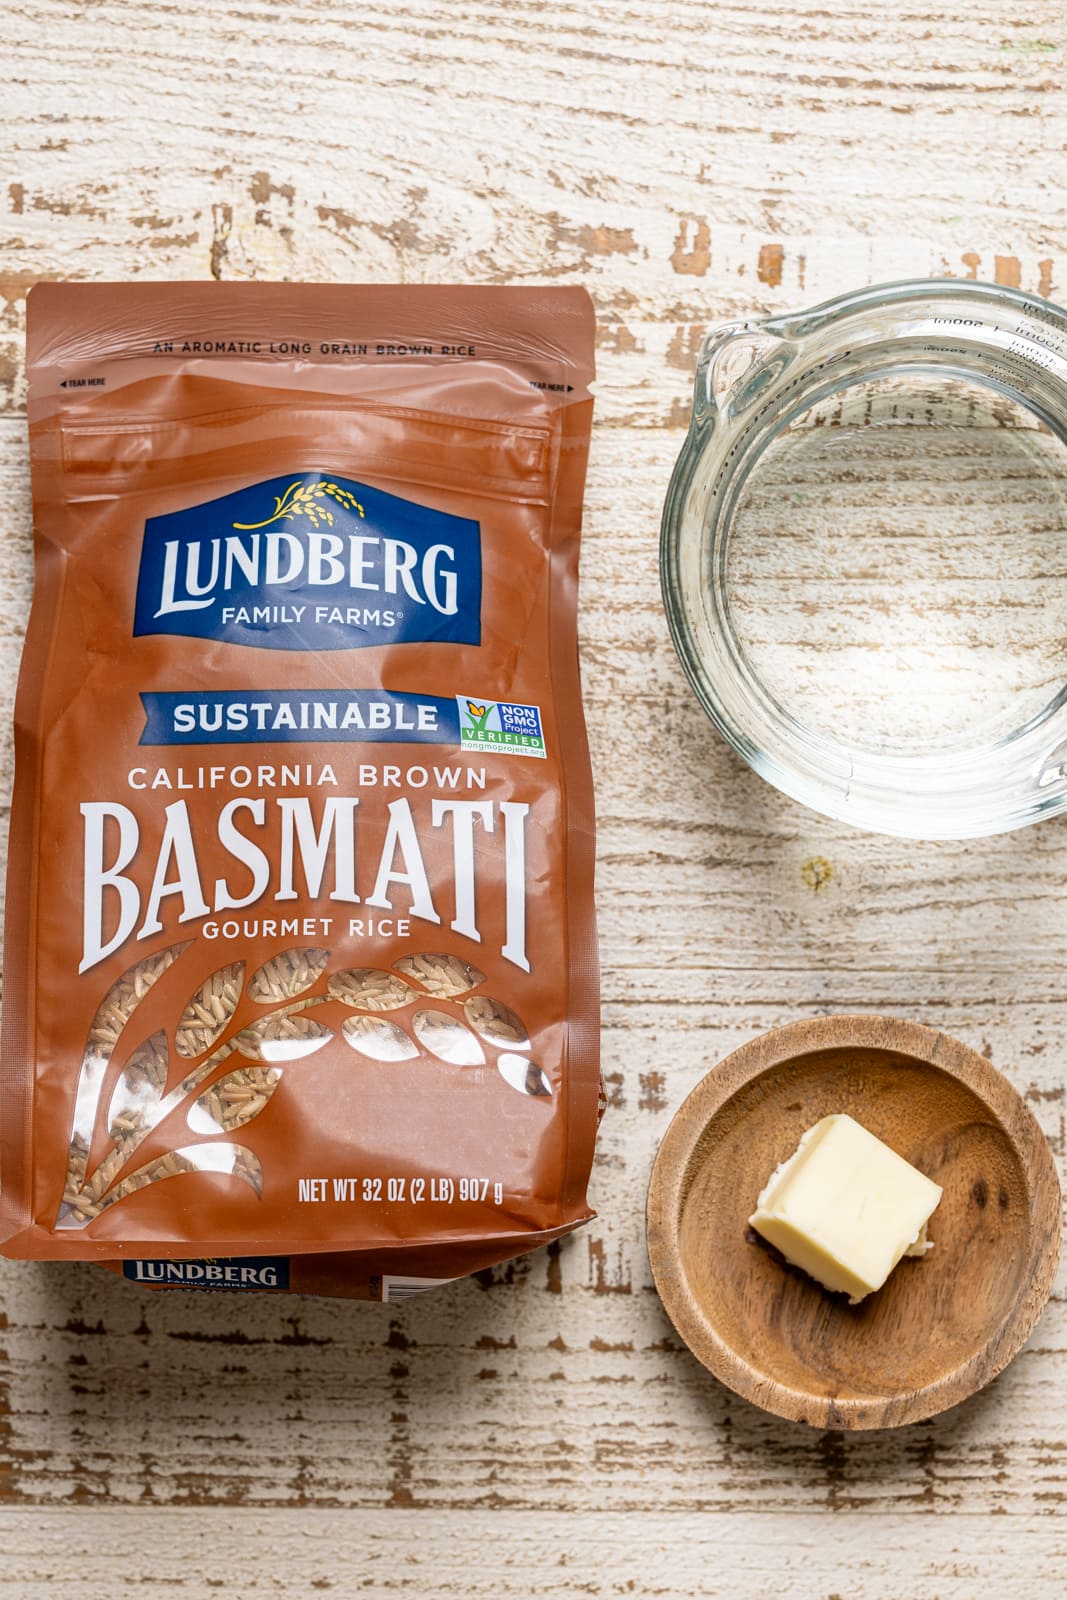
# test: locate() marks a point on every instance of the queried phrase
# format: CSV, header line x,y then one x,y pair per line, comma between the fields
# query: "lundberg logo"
x,y
241,1272
316,562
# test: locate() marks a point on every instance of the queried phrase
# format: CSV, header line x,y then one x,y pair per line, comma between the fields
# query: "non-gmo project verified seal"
x,y
221,1272
500,725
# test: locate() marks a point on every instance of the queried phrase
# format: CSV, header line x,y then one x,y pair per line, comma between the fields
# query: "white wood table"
x,y
542,1431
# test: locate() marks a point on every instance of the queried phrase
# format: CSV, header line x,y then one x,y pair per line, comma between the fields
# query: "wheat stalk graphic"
x,y
447,1020
305,500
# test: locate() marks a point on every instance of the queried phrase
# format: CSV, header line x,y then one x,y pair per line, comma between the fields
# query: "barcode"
x,y
394,1289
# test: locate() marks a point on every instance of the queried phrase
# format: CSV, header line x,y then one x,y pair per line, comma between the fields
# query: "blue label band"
x,y
223,1272
298,716
311,562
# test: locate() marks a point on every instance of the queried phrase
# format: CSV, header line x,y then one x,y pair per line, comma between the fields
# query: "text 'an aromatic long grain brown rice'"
x,y
300,985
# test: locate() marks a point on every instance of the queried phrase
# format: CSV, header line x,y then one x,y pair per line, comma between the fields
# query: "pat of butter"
x,y
845,1207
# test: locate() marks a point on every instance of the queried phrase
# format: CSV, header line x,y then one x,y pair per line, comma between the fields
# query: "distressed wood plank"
x,y
557,1381
496,1556
685,168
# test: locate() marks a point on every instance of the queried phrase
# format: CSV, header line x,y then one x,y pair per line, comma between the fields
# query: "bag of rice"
x,y
301,984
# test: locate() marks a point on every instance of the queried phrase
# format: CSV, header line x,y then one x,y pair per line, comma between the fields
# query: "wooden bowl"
x,y
943,1325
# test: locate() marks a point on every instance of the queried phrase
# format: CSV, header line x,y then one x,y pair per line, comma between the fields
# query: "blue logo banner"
x,y
311,562
222,1272
298,716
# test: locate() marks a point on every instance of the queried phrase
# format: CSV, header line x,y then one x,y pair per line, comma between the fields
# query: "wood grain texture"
x,y
543,1428
939,1329
483,1555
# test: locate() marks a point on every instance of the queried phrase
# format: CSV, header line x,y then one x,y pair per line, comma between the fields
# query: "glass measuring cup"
x,y
864,554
